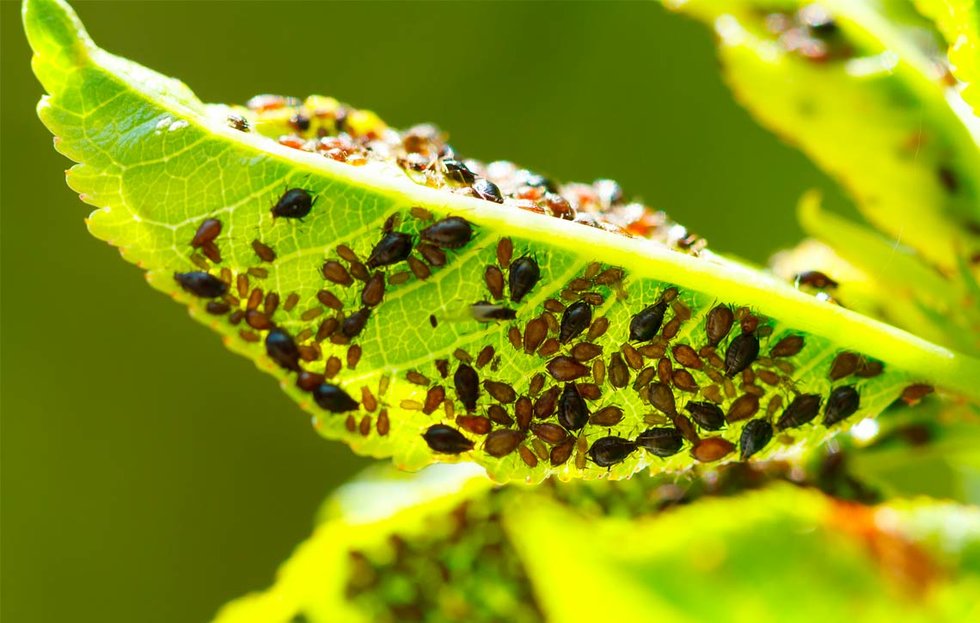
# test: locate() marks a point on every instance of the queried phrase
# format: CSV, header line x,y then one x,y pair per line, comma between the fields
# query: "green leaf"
x,y
605,551
959,22
866,100
158,163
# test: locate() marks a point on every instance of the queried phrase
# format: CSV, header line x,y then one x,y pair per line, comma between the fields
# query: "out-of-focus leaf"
x,y
959,22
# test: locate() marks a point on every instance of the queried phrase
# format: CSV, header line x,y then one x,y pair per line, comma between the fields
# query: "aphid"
x,y
326,329
687,357
202,284
433,255
500,443
576,319
499,415
566,369
257,320
334,271
608,451
803,409
467,384
383,424
662,442
523,276
645,324
308,381
607,416
487,190
354,324
334,399
549,348
494,279
359,271
843,403
741,352
451,232
484,356
248,336
633,357
206,233
420,213
683,380
217,308
845,364
949,180
490,312
329,299
393,247
598,328
712,449
505,251
263,251
549,433
374,290
446,440
501,392
619,374
869,369
662,398
368,401
433,321
365,427
281,348
534,334
476,424
310,314
294,203
419,268
527,456
754,437
457,171
417,378
814,279
788,346
706,415
719,323
258,272
573,413
236,317
524,411
560,454
912,394
237,122
433,398
584,351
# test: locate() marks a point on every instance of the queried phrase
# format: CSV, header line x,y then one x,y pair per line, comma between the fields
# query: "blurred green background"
x,y
157,484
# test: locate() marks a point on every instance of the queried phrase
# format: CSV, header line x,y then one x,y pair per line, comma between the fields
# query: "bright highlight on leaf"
x,y
431,308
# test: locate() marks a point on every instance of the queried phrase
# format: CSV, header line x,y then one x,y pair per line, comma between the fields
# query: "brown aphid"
x,y
671,328
494,279
264,251
589,391
332,367
397,279
913,394
551,321
661,396
291,302
505,251
498,415
374,290
748,376
741,352
549,433
644,377
633,357
462,355
304,335
682,312
365,426
566,369
206,232
308,381
433,255
270,304
410,405
579,284
549,348
309,352
354,324
845,364
446,440
609,276
593,298
768,377
241,282
335,272
484,356
501,392
248,336
311,314
527,456
417,378
536,384
713,393
619,373
368,401
749,323
598,328
788,346
418,268
814,279
687,357
540,449
500,443
712,449
584,351
467,384
476,424
607,416
442,366
326,329
359,271
554,306
351,424
213,253
546,403
774,405
217,308
353,356
524,411
383,425
665,370
562,452
534,334
686,427
514,337
257,320
752,389
684,381
599,371
254,299
258,272
870,369
718,324
451,232
200,261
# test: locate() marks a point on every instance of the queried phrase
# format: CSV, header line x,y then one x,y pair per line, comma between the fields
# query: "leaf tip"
x,y
55,32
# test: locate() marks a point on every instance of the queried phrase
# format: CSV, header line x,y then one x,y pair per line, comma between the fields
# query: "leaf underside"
x,y
158,163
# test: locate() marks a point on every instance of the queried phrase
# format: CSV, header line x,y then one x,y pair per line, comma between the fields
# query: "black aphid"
x,y
523,275
393,247
755,436
294,203
487,190
573,413
707,415
576,318
202,284
281,348
467,384
741,353
354,324
489,312
607,451
645,324
451,232
843,403
662,441
332,398
458,172
803,409
446,440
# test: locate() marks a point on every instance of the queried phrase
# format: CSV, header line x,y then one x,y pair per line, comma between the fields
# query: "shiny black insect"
x,y
645,324
451,232
803,409
332,398
237,122
755,436
662,441
354,324
393,247
523,275
294,203
843,403
741,353
446,440
576,318
487,190
202,284
281,348
467,384
573,413
707,415
489,312
607,451
458,172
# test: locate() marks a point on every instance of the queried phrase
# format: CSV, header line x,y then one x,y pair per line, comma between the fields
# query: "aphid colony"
x,y
357,137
